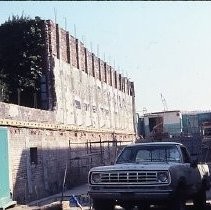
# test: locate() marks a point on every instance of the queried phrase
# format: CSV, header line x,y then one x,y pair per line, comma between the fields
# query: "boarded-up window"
x,y
33,155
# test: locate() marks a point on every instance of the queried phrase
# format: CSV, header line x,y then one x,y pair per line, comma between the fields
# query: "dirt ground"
x,y
56,206
52,202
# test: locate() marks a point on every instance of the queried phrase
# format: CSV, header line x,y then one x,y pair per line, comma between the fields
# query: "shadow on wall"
x,y
41,172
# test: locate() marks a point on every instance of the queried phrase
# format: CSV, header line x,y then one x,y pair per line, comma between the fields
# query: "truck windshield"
x,y
164,153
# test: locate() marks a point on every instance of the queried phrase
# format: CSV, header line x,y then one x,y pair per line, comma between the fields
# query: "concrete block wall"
x,y
20,113
113,85
77,53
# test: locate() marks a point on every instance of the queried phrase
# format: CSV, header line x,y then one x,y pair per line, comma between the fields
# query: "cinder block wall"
x,y
103,96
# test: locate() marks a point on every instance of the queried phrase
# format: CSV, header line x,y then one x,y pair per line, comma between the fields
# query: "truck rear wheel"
x,y
102,204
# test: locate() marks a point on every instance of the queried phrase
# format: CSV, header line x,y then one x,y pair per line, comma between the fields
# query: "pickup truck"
x,y
145,174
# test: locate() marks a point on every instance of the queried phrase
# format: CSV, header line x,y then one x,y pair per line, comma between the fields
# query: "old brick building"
x,y
86,112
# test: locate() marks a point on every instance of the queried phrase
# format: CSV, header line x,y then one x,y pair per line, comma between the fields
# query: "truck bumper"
x,y
150,195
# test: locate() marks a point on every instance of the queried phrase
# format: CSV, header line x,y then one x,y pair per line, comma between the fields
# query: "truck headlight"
x,y
163,176
95,177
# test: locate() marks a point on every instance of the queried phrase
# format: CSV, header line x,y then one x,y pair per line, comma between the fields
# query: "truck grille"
x,y
131,177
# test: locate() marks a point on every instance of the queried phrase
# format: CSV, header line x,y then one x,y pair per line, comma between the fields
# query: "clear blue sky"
x,y
164,47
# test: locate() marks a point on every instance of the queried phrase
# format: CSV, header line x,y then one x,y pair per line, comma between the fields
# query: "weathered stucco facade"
x,y
89,116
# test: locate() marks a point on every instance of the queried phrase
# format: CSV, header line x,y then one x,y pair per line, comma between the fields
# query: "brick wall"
x,y
56,150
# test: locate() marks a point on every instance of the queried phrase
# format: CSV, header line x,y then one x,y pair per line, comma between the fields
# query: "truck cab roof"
x,y
155,144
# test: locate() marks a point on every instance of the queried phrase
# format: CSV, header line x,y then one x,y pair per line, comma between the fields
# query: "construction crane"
x,y
165,107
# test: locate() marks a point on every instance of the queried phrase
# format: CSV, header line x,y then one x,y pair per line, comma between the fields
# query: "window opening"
x,y
33,155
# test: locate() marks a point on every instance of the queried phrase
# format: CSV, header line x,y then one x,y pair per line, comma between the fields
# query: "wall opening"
x,y
33,155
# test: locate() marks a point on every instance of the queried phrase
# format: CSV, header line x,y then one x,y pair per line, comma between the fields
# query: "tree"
x,y
22,47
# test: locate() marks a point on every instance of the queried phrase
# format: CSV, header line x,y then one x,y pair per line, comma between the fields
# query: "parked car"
x,y
150,173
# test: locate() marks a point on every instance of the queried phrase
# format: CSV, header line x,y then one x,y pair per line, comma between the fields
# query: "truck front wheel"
x,y
179,201
144,206
102,204
199,200
177,204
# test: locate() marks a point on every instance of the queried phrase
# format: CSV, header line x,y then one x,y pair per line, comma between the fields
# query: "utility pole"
x,y
165,107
